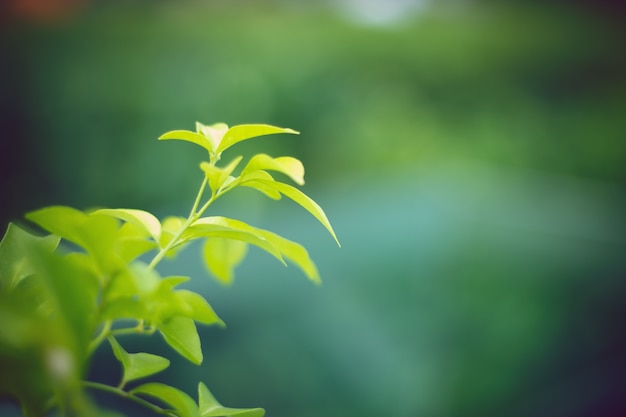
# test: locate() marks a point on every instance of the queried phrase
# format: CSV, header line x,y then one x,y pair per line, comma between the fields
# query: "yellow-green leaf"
x,y
221,256
137,365
217,226
295,253
305,201
200,310
143,219
243,132
210,407
218,176
189,136
184,405
181,334
287,165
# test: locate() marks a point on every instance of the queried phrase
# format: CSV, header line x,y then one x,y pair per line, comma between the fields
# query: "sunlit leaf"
x,y
221,256
201,310
249,180
181,334
97,234
184,405
140,218
217,226
243,132
295,253
14,263
287,165
210,407
214,133
305,201
189,136
218,176
137,365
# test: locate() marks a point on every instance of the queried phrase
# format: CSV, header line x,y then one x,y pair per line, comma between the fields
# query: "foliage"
x,y
60,302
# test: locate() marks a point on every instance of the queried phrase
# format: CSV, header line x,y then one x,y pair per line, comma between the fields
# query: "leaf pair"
x,y
218,137
222,255
185,406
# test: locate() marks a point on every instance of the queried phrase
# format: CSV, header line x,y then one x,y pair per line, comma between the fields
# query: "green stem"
x,y
193,216
128,395
104,332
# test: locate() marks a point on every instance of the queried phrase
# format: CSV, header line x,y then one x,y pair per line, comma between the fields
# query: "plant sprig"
x,y
87,296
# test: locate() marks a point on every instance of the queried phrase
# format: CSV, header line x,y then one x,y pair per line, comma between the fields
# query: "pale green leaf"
x,y
145,364
189,136
201,310
181,334
287,165
65,222
250,180
214,133
217,226
140,218
14,247
210,407
243,132
218,176
296,253
306,202
221,256
184,405
97,234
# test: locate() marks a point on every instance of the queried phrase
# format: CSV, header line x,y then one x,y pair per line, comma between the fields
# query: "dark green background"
x,y
471,157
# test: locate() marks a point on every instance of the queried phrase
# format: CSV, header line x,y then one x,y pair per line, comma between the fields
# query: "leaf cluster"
x,y
59,303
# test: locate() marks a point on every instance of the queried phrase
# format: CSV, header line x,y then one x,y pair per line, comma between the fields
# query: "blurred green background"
x,y
470,154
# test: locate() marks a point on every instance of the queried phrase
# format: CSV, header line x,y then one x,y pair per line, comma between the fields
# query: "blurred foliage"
x,y
463,288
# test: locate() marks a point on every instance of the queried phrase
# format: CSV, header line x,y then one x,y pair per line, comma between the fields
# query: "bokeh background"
x,y
471,155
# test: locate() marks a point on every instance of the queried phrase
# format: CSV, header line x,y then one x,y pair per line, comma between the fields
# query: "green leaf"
x,y
97,234
221,256
214,133
218,176
184,405
137,365
181,334
243,132
189,136
140,218
250,180
201,310
287,165
14,263
305,201
295,253
210,407
217,226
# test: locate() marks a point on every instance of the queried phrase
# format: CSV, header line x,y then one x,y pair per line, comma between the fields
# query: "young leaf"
x,y
217,226
243,132
289,166
295,253
141,218
249,180
221,256
210,407
181,334
218,176
305,201
137,365
189,136
201,310
182,403
214,133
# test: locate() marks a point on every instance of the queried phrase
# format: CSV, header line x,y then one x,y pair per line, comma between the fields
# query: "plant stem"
x,y
128,395
104,332
193,216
